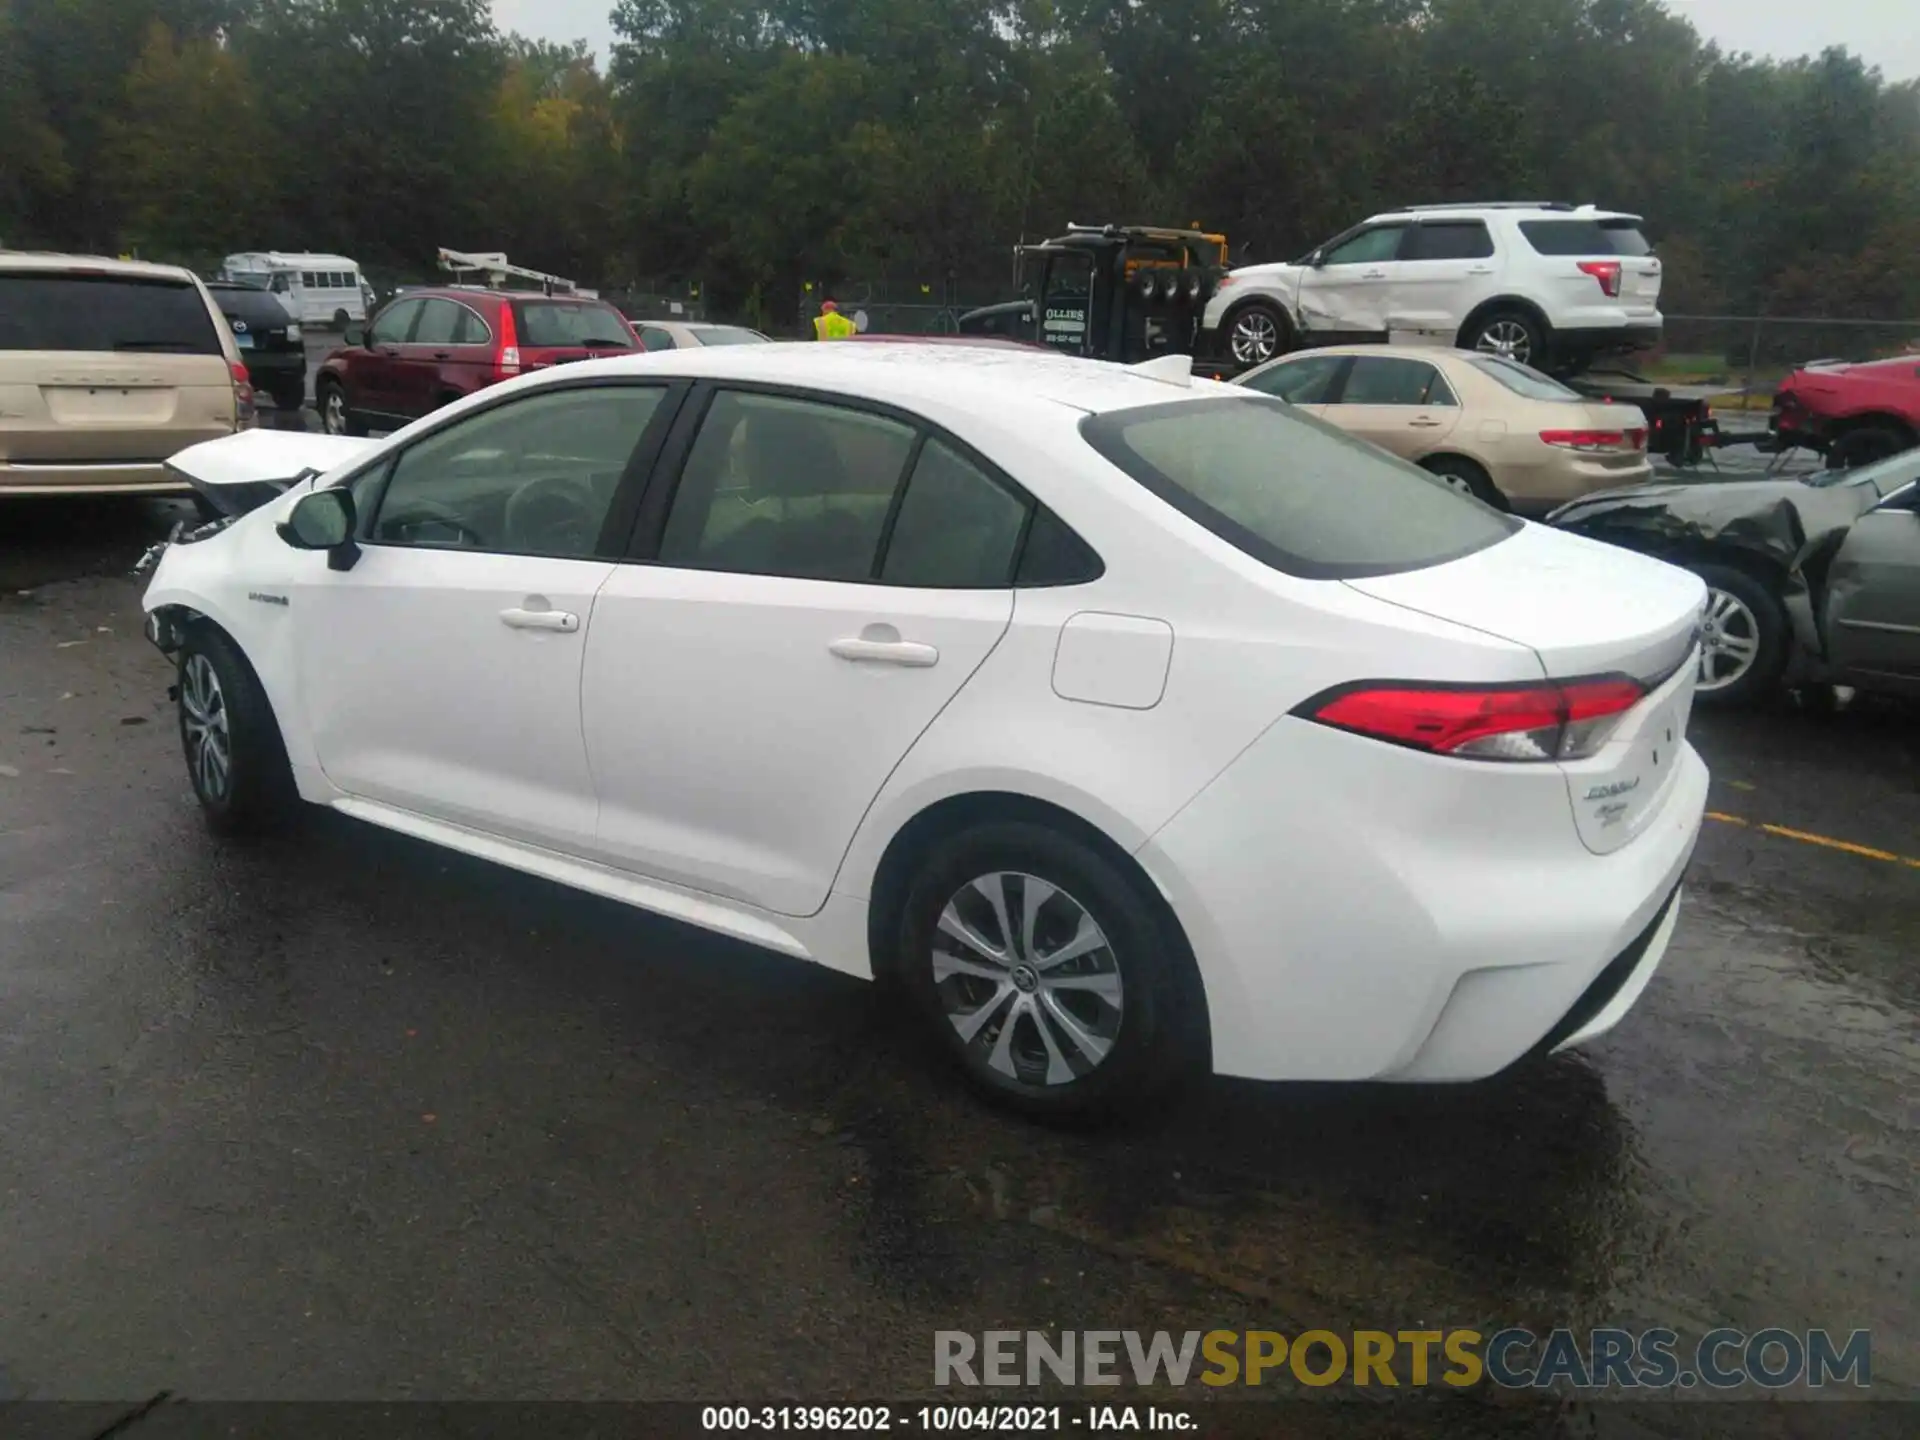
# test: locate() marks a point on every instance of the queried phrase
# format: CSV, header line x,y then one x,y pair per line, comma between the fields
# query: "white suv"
x,y
1543,284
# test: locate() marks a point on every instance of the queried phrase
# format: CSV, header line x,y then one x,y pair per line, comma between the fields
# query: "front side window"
x,y
309,280
1306,381
1291,491
727,335
1369,247
395,323
1379,380
535,476
781,486
957,527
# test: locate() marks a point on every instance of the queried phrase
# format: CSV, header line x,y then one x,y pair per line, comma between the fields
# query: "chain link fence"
x,y
1751,354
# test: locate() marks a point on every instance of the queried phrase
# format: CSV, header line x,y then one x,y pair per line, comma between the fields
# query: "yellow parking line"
x,y
1825,841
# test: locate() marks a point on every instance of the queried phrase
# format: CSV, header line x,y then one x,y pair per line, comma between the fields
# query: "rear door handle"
x,y
442,355
1479,270
1373,275
1424,422
564,621
908,653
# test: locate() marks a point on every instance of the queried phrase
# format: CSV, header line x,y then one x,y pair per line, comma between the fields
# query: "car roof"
x,y
931,377
1483,211
45,263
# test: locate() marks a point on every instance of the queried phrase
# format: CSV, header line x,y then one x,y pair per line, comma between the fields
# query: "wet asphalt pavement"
x,y
342,1116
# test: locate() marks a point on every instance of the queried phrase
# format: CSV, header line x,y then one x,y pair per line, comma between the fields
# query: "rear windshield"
x,y
1521,379
1292,491
256,307
560,323
1586,237
104,312
727,335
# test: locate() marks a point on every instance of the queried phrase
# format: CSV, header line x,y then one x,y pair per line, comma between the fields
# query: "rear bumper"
x,y
1424,920
118,477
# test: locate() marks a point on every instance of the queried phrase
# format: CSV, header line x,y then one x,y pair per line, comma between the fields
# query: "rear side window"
x,y
1448,240
1291,491
956,527
104,313
558,324
727,335
1586,237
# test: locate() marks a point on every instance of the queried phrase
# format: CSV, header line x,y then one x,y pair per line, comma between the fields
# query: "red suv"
x,y
429,347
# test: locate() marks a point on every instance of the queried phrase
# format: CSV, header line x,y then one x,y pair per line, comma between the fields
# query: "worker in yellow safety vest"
x,y
830,324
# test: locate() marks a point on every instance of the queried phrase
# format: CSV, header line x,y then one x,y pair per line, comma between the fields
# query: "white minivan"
x,y
317,289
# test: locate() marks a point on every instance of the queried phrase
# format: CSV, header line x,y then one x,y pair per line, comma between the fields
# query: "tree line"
x,y
752,147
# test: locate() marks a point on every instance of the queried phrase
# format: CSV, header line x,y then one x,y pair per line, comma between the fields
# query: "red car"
x,y
430,347
1853,414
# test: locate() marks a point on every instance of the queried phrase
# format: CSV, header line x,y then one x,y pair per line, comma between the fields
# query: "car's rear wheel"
x,y
1256,332
1045,973
1743,642
235,757
1865,446
331,399
1511,334
1460,473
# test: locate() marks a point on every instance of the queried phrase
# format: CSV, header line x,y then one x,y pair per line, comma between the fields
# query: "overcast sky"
x,y
1883,31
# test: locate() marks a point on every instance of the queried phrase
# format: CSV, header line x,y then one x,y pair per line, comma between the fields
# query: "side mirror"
x,y
323,520
1318,259
356,335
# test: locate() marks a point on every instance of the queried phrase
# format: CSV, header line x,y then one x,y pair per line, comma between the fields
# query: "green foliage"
x,y
755,144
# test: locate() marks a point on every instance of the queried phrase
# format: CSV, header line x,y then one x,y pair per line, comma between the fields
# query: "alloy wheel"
x,y
1255,339
1729,641
203,720
1027,979
333,412
1506,338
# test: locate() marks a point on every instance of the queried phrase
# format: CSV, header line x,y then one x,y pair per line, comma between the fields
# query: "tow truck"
x,y
1127,293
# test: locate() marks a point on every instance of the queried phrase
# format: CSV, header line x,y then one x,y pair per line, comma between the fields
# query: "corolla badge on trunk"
x,y
1618,787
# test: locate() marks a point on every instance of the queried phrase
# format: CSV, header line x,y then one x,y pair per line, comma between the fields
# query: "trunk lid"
x,y
1585,609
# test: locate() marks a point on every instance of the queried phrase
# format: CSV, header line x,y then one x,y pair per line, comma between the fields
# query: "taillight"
x,y
1637,439
243,407
506,356
1607,272
1554,720
1588,439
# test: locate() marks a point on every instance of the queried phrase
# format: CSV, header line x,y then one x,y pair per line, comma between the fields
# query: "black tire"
x,y
1253,333
1769,628
256,794
330,399
289,396
341,320
1139,1048
1866,445
1464,474
1509,331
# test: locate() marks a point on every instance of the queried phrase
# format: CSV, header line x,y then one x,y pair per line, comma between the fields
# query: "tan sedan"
x,y
1506,433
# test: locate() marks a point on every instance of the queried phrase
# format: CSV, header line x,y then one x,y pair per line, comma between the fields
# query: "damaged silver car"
x,y
1814,581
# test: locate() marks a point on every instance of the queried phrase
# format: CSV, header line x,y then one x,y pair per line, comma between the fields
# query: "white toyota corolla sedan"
x,y
1129,723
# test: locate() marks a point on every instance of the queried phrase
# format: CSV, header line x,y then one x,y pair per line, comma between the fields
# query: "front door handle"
x,y
909,653
443,354
564,621
1479,270
1373,275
